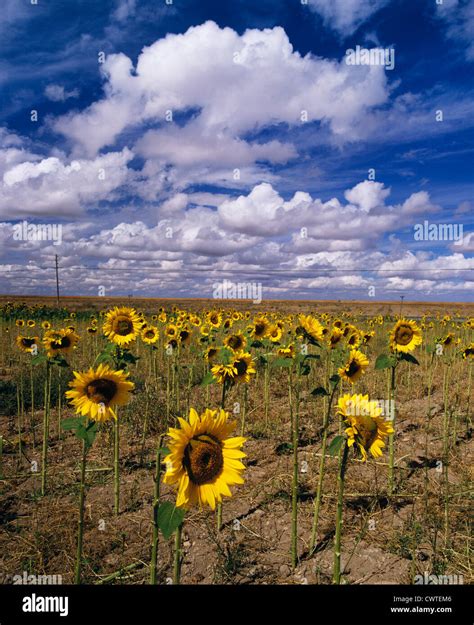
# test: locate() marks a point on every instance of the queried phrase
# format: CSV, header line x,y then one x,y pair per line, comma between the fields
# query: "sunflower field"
x,y
233,444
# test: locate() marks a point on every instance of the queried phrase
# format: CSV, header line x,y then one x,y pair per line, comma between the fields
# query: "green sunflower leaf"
x,y
409,358
334,380
208,379
163,451
169,518
319,391
282,362
39,359
335,445
383,361
72,424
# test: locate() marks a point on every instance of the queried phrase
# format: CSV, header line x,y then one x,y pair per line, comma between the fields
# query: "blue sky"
x,y
178,145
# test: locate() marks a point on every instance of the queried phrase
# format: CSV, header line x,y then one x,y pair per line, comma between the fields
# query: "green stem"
x,y
156,503
44,454
244,412
391,439
80,525
32,393
219,503
322,463
116,465
340,503
177,555
294,489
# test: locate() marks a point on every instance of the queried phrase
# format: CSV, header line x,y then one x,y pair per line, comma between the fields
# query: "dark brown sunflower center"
x,y
259,329
234,342
367,429
62,343
403,335
214,319
123,326
203,459
27,342
353,368
335,338
184,335
241,367
150,334
101,391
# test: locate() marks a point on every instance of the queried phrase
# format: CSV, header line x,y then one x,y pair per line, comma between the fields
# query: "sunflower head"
x,y
27,344
468,352
366,426
224,373
405,336
260,328
203,460
236,342
311,327
274,333
214,318
95,392
244,366
355,366
122,325
335,337
150,335
60,342
287,352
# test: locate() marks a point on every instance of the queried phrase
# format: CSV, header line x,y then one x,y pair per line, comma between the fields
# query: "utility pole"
x,y
57,281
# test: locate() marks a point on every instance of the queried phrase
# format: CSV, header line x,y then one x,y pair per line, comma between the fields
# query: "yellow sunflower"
x,y
335,337
355,367
31,323
122,325
244,365
94,393
468,352
287,352
224,373
203,460
171,331
19,323
211,353
260,328
26,343
60,342
185,336
214,318
46,325
236,342
405,336
311,326
274,333
367,428
448,341
150,335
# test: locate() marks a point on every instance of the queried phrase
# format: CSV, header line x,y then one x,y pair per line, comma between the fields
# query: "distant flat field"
x,y
415,309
